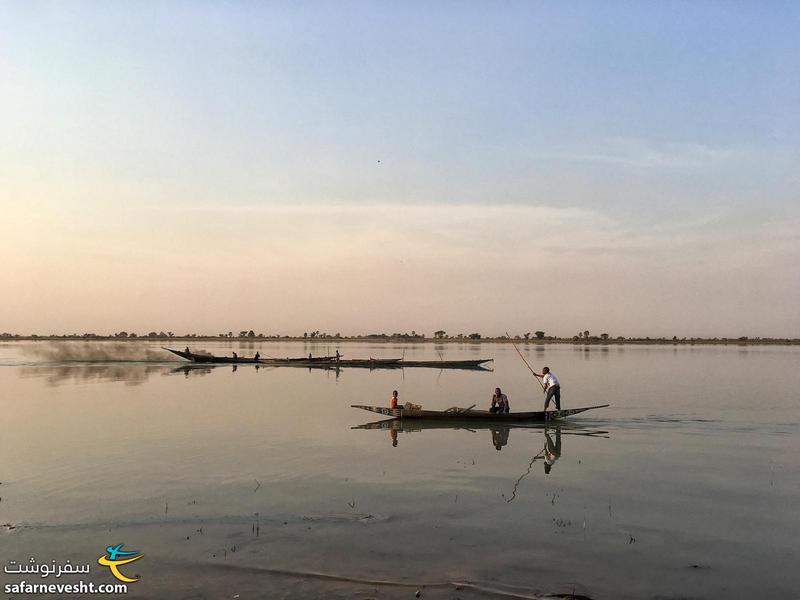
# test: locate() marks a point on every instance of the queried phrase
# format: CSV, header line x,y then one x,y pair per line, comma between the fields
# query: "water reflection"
x,y
500,432
500,437
551,441
193,370
130,374
138,373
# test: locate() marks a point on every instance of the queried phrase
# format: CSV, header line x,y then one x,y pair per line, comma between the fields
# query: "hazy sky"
x,y
627,167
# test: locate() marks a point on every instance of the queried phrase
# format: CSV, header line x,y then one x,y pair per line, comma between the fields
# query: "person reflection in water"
x,y
499,402
552,452
393,437
500,437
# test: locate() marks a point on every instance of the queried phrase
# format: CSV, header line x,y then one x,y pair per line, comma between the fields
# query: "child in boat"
x,y
499,402
393,401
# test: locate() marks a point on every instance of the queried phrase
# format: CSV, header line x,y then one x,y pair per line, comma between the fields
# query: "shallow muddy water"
x,y
259,482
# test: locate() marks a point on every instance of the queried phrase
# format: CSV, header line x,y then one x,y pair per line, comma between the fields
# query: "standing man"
x,y
551,387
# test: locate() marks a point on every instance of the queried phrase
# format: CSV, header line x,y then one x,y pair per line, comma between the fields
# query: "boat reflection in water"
x,y
551,447
129,373
500,432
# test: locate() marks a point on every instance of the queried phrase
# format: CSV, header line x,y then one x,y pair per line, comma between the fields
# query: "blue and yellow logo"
x,y
115,557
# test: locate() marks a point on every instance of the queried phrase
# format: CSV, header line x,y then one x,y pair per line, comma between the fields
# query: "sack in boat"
x,y
412,406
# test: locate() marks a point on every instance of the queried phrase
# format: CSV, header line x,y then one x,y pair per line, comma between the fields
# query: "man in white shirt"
x,y
551,387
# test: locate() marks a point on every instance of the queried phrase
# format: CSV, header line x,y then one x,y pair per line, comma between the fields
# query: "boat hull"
x,y
330,362
209,358
478,415
447,364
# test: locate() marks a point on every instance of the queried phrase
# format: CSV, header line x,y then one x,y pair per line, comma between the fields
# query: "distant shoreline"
x,y
591,341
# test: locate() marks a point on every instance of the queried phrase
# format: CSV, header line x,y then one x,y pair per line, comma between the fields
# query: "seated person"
x,y
499,402
394,402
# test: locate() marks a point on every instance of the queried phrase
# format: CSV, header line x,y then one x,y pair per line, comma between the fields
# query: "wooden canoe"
x,y
463,414
210,358
330,362
447,364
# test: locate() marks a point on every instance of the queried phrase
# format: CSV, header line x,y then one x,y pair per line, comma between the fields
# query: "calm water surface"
x,y
260,483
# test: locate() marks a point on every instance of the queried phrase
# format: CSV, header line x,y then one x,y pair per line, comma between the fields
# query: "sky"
x,y
359,167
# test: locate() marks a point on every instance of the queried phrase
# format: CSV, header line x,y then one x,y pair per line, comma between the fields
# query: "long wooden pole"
x,y
525,361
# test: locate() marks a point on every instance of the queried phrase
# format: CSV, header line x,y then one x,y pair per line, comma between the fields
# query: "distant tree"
x,y
121,334
162,334
305,334
527,336
539,334
230,334
243,334
620,337
251,334
604,336
133,335
170,334
580,335
474,336
439,334
586,333
152,334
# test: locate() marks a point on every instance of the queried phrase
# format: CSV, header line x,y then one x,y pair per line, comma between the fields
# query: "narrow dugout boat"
x,y
210,358
447,364
331,362
468,414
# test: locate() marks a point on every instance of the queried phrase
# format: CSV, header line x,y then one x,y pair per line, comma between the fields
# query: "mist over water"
x,y
78,351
